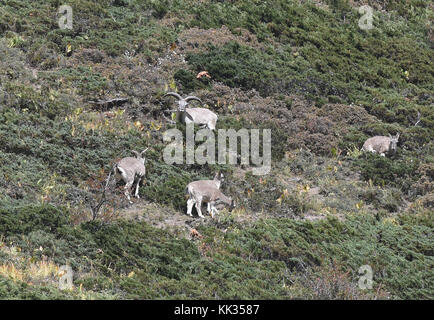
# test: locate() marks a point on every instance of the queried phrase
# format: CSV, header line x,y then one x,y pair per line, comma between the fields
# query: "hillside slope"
x,y
304,69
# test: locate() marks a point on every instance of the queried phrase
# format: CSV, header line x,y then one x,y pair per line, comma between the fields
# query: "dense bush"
x,y
264,251
400,173
188,81
305,70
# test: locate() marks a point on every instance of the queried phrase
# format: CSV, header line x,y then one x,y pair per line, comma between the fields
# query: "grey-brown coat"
x,y
381,144
131,170
206,191
200,116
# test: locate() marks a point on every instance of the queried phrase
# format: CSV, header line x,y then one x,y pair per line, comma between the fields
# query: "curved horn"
x,y
173,94
193,98
141,153
135,152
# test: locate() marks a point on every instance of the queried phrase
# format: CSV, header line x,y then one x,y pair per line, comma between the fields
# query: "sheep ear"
x,y
397,136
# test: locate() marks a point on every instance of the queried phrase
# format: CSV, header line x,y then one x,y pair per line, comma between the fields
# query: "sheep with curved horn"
x,y
200,116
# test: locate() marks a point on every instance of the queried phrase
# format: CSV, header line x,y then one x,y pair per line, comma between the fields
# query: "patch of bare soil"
x,y
179,223
314,217
175,222
158,216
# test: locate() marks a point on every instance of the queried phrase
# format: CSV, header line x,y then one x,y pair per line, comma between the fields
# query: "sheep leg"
x,y
198,208
127,190
128,182
137,188
190,203
213,210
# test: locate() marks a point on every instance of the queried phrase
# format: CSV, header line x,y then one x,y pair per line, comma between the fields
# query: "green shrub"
x,y
166,185
188,81
399,173
50,148
27,219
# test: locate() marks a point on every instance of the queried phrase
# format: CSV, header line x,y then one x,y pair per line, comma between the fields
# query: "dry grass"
x,y
22,268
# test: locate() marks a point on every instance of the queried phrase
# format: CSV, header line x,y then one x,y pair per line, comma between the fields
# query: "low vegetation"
x,y
303,69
